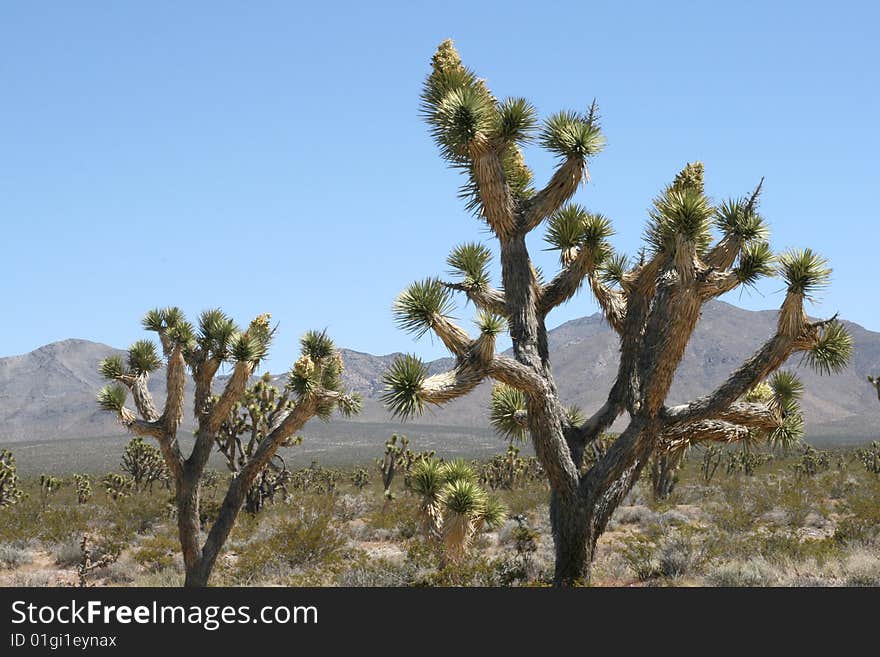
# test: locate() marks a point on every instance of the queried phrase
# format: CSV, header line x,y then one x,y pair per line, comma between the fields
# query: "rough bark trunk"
x,y
573,540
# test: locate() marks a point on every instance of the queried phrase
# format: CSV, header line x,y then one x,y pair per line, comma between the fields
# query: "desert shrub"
x,y
305,537
640,554
378,573
752,572
12,556
680,553
862,568
157,552
116,485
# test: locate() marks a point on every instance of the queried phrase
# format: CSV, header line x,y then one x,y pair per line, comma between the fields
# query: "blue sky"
x,y
269,156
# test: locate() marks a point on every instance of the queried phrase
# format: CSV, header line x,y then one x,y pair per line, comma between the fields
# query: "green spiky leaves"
x,y
111,368
786,388
470,261
805,272
683,213
427,478
463,497
573,227
171,324
507,409
112,397
490,324
216,333
613,268
403,382
574,415
739,219
570,135
517,120
756,260
417,307
833,350
143,358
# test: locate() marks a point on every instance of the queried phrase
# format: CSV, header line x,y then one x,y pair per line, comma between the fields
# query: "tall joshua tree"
x,y
316,390
652,302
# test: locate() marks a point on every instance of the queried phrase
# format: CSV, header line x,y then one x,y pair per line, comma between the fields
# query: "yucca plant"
x,y
695,250
314,386
144,464
463,504
427,479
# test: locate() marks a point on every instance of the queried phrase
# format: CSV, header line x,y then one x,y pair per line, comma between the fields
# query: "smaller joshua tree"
x,y
315,385
454,507
876,383
10,493
49,485
398,457
83,485
250,421
144,464
117,486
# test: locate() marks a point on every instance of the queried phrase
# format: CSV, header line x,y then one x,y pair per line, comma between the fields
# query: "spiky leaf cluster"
x,y
170,323
804,271
740,219
112,397
216,333
833,350
680,213
573,227
417,308
572,135
506,407
756,260
470,262
403,386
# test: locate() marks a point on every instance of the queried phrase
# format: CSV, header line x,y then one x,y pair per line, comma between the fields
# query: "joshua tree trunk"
x,y
653,304
664,473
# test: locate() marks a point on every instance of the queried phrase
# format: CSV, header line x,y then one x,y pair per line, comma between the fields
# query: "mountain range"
x,y
48,394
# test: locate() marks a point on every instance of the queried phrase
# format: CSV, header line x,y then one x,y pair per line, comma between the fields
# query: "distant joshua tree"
x,y
876,383
653,302
10,492
316,389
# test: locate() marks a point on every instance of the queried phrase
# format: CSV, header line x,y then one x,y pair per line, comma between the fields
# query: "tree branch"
x,y
496,199
560,189
488,299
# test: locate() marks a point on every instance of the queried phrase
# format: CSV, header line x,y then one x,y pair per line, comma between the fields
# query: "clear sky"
x,y
269,156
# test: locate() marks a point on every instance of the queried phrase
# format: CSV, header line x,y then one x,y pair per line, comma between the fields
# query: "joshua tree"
x,y
315,382
653,303
252,418
876,383
10,493
117,486
398,457
49,485
83,485
144,464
